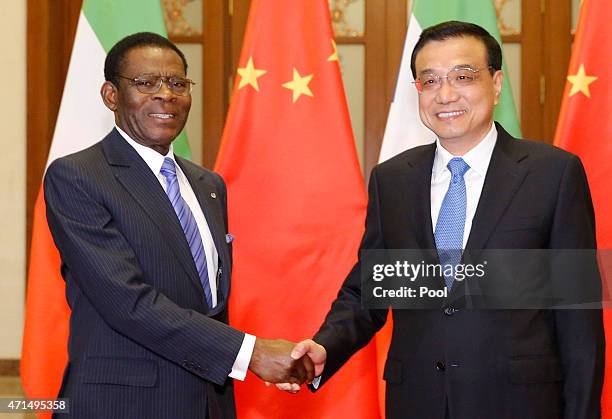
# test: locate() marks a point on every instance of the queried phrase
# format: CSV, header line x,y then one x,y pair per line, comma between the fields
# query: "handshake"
x,y
286,364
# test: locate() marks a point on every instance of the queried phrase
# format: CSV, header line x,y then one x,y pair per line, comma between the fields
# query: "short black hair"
x,y
116,55
457,29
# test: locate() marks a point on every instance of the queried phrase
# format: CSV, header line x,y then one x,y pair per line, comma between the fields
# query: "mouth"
x,y
162,116
450,115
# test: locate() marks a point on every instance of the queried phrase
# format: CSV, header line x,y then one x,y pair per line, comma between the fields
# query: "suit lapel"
x,y
415,180
504,177
136,177
419,202
208,197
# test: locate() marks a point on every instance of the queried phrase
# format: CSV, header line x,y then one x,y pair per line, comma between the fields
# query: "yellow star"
x,y
249,75
334,56
299,85
580,82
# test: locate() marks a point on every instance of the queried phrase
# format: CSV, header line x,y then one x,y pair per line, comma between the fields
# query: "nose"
x,y
165,93
446,93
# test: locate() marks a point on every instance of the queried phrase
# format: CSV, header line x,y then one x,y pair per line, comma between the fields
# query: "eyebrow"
x,y
456,67
159,75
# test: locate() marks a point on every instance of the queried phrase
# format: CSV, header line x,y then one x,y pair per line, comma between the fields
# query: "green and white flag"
x,y
404,128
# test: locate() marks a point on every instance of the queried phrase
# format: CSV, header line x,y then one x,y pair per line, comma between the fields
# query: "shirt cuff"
x,y
316,382
241,364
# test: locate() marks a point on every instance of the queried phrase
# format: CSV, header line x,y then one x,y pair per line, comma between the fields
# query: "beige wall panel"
x,y
575,13
509,21
348,18
352,64
193,53
13,175
512,57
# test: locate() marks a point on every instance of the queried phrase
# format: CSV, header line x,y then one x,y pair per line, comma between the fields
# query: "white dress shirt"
x,y
478,158
155,160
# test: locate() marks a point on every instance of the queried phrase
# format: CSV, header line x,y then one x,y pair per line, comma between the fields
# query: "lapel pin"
x,y
213,195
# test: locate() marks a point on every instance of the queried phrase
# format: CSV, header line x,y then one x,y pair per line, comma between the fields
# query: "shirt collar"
x,y
477,158
151,157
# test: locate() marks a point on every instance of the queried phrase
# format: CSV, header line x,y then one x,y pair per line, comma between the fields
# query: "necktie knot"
x,y
168,168
457,167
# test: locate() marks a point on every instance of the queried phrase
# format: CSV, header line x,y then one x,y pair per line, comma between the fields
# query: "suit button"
x,y
440,366
449,311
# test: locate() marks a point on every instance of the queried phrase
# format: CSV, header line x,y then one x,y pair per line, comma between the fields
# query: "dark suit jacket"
x,y
480,363
143,343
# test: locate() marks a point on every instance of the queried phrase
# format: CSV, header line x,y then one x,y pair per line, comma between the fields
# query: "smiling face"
x,y
459,116
153,120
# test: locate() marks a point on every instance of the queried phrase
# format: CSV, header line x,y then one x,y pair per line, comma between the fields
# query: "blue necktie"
x,y
188,222
451,220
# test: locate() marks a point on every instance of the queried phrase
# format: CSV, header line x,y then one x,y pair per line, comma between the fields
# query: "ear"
x,y
498,82
109,94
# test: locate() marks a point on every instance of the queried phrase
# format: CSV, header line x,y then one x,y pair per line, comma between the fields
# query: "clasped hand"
x,y
286,364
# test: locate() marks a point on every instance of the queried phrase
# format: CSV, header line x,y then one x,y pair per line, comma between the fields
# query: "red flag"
x,y
45,334
296,200
585,128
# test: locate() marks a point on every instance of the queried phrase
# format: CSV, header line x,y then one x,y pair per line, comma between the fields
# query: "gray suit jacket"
x,y
143,343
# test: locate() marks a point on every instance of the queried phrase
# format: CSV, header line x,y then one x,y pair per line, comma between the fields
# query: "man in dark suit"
x,y
475,188
147,258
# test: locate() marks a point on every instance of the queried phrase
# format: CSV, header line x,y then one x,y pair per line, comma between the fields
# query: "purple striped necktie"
x,y
188,222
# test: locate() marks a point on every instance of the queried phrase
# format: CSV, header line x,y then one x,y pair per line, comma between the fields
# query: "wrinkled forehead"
x,y
448,54
152,59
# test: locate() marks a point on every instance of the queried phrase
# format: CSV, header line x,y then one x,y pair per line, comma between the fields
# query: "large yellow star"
x,y
299,85
249,75
334,56
580,82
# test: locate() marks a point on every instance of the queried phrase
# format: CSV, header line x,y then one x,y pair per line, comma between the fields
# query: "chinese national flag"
x,y
585,128
296,201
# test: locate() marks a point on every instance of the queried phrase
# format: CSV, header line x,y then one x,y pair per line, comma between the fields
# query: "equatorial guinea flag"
x,y
585,128
82,120
296,201
404,128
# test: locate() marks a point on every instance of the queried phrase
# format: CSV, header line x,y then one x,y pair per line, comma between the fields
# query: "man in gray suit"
x,y
147,258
